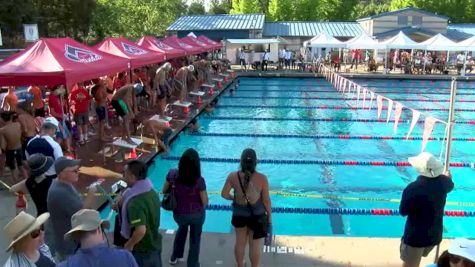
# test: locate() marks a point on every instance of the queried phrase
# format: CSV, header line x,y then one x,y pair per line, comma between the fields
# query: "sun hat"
x,y
427,165
62,163
22,225
51,120
464,248
39,164
84,220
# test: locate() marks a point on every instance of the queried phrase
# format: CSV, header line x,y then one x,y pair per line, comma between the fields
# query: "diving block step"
x,y
122,143
232,72
184,104
197,93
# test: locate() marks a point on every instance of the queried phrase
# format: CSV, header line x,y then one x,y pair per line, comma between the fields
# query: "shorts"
x,y
120,107
12,156
162,92
413,255
40,112
81,118
101,113
258,224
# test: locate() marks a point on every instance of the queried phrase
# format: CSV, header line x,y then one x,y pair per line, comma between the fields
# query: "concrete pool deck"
x,y
298,251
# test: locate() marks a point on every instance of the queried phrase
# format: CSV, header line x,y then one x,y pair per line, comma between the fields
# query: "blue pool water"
x,y
336,180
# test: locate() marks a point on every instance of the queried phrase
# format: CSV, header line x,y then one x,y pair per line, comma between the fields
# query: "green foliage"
x,y
370,8
196,8
247,6
133,19
220,7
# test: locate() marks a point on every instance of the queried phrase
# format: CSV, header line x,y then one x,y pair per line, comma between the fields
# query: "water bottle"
x,y
268,238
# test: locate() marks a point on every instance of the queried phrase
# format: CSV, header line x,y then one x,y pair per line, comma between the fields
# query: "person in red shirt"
x,y
80,99
11,100
56,109
38,103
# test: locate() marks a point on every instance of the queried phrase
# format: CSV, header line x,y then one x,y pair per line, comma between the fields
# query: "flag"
x,y
364,96
397,115
428,127
415,117
371,93
379,103
358,89
390,108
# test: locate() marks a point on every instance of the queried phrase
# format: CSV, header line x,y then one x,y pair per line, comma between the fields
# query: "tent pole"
x,y
462,73
453,92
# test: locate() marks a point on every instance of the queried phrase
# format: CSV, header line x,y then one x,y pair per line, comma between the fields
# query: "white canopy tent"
x,y
323,40
401,41
364,41
468,44
441,43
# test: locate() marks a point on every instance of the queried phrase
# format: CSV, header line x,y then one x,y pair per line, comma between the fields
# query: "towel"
x,y
140,187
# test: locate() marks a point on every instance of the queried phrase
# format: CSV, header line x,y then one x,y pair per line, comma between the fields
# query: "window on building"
x,y
417,20
402,20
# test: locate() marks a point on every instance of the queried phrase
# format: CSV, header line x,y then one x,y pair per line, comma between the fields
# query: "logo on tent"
x,y
163,46
80,55
133,50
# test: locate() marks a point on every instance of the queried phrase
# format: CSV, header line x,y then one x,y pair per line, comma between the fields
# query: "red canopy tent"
x,y
175,42
152,43
216,45
53,61
125,48
205,47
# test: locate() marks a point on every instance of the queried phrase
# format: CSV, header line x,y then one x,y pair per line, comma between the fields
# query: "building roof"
x,y
463,27
457,35
406,30
395,12
310,28
218,22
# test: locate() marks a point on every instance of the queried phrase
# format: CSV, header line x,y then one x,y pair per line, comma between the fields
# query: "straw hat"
x,y
22,225
427,165
85,220
464,248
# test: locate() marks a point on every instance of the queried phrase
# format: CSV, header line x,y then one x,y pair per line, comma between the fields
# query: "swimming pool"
x,y
285,120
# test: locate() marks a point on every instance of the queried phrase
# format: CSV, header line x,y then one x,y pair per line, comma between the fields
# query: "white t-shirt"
x,y
242,55
460,58
288,55
42,148
265,56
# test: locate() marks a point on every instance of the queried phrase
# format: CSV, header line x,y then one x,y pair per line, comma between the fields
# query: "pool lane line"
x,y
319,162
322,136
336,92
471,122
343,211
339,98
331,107
372,86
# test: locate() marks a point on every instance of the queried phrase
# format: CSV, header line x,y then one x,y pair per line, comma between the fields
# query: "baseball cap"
x,y
51,120
464,248
62,163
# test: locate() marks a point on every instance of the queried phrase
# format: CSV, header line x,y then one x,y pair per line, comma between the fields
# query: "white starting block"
x,y
162,119
208,85
122,143
184,104
224,75
217,80
197,93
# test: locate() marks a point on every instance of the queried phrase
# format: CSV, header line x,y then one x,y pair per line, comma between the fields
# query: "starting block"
x,y
122,143
185,105
225,76
163,119
197,93
218,82
208,85
232,73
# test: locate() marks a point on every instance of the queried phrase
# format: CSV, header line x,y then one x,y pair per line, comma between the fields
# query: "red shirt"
x,y
80,99
118,83
55,105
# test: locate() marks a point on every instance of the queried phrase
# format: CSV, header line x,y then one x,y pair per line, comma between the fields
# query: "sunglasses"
x,y
37,232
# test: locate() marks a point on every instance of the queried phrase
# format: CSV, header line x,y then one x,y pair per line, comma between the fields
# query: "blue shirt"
x,y
99,256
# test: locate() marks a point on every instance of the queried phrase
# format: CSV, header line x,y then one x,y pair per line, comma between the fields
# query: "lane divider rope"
x,y
320,162
336,92
343,99
343,211
314,119
332,107
320,136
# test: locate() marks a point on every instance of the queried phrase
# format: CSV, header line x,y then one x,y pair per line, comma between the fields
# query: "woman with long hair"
x,y
252,212
189,189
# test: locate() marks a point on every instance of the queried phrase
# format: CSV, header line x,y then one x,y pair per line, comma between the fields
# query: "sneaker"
x,y
173,262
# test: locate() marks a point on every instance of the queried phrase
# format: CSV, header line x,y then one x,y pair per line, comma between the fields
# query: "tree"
x,y
280,10
247,6
366,9
196,8
220,7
